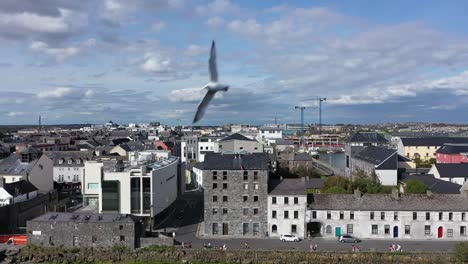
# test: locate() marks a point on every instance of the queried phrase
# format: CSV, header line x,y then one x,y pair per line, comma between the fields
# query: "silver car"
x,y
348,239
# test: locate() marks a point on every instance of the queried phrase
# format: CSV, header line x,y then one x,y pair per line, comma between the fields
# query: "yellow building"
x,y
424,148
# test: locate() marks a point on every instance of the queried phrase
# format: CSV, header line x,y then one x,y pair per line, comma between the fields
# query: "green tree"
x,y
415,186
336,181
336,190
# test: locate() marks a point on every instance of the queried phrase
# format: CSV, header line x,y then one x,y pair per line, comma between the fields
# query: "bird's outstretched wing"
x,y
212,64
203,105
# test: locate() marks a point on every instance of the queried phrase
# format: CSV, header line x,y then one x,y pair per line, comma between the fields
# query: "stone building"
x,y
235,194
390,216
287,206
82,230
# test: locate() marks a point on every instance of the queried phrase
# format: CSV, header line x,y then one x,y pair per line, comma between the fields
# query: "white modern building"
x,y
287,206
268,135
388,216
142,189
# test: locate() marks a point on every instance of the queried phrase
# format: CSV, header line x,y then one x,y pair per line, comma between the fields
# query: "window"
x,y
215,198
286,200
122,238
314,214
341,215
224,176
224,173
225,198
351,215
225,211
349,228
415,216
407,229
328,229
428,216
387,229
395,216
371,216
245,228
255,173
255,176
215,185
286,214
450,216
94,239
215,173
294,229
296,200
245,211
224,186
462,230
463,216
274,229
374,229
255,211
427,229
215,211
273,214
255,198
441,216
382,215
214,228
296,214
246,186
93,186
273,200
246,175
256,186
256,229
215,177
449,232
328,215
245,198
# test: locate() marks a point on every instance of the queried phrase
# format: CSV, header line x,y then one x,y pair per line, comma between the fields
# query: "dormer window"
x,y
69,161
60,161
78,161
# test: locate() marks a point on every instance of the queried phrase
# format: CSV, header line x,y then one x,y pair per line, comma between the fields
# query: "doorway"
x,y
225,229
440,232
395,231
337,231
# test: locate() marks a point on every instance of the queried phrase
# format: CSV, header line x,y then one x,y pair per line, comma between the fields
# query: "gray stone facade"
x,y
236,195
82,230
239,213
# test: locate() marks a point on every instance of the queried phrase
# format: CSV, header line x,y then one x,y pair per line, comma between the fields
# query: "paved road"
x,y
186,231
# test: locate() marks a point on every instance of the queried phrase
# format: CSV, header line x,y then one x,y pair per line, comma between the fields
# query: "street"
x,y
186,229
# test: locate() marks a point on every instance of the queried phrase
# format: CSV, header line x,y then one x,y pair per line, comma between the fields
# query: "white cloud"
x,y
186,95
215,22
15,114
195,50
156,63
217,7
60,54
55,93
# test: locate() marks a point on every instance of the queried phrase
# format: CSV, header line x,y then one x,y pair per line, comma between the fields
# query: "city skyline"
x,y
141,61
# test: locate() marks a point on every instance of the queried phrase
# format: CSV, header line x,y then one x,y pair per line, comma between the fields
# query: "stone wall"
x,y
235,192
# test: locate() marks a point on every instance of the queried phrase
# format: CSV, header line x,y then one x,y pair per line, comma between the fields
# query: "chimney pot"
x,y
395,194
357,193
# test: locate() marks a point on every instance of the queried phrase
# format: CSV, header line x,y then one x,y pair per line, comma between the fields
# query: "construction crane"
x,y
320,100
302,108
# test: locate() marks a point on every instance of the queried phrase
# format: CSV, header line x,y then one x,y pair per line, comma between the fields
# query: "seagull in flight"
x,y
212,87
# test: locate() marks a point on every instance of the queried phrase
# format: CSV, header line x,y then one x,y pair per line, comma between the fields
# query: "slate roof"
x,y
386,202
83,217
13,165
315,183
19,188
254,161
66,156
432,141
287,187
451,148
452,170
434,184
373,137
236,136
375,155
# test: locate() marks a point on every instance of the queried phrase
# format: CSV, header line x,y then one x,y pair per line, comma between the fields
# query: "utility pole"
x,y
302,108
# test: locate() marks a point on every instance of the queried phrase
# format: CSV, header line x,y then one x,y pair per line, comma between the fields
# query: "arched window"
x,y
274,229
328,229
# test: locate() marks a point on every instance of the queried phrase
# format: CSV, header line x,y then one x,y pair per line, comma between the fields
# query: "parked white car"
x,y
289,238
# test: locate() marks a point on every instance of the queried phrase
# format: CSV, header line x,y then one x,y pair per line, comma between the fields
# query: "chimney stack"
x,y
395,194
429,194
357,194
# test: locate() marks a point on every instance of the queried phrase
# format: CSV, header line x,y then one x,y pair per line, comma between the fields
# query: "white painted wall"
x,y
387,177
284,225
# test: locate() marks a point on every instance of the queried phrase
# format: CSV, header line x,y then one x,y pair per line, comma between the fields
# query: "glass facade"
x,y
146,195
135,194
110,196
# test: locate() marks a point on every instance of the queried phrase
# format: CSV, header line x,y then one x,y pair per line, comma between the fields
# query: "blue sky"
x,y
141,61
